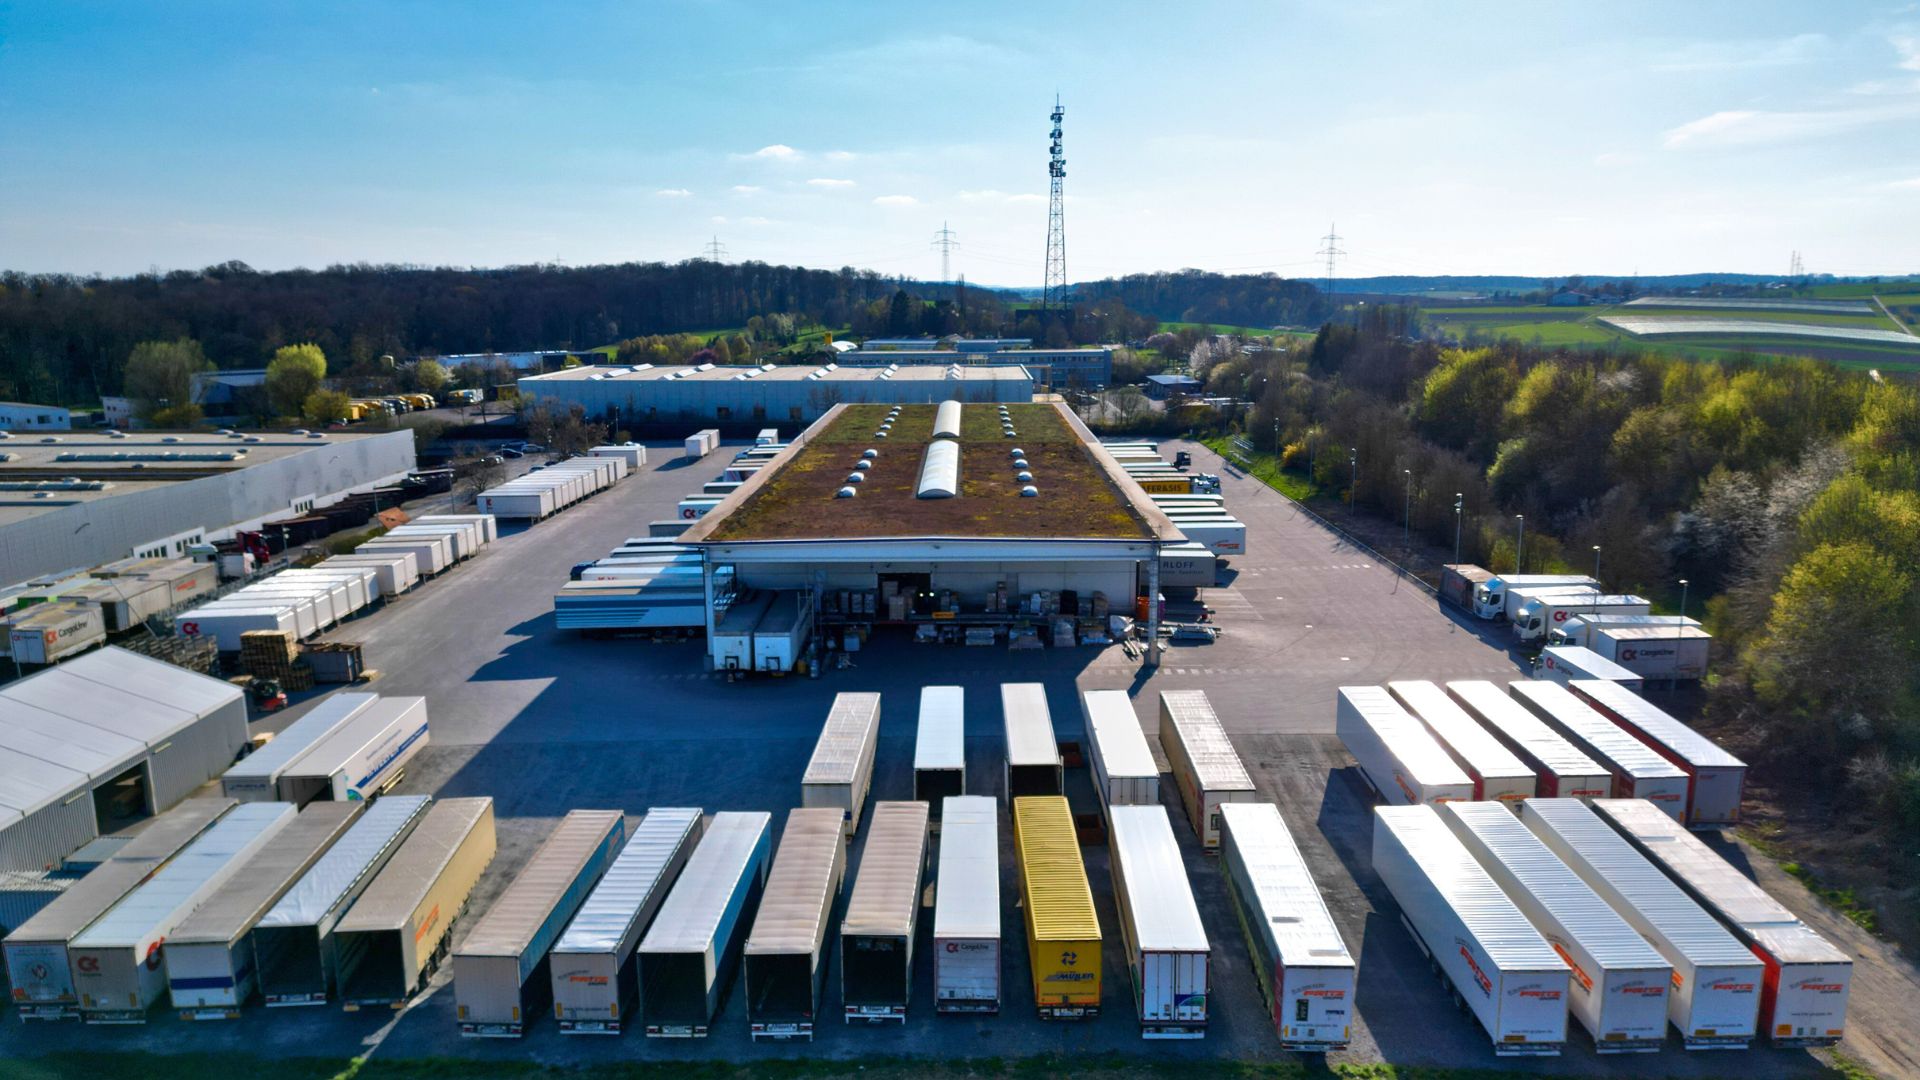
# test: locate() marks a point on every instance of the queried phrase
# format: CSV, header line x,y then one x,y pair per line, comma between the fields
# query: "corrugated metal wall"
x,y
770,400
41,839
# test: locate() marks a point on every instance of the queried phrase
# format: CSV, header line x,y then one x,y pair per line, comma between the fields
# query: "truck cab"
x,y
1544,611
1182,459
1206,484
1491,599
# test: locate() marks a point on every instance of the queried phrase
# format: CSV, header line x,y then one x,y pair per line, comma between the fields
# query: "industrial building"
x,y
78,500
708,393
23,416
957,526
1085,367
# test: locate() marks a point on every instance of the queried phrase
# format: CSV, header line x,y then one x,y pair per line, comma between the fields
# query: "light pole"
x,y
1276,438
1680,628
1406,519
1353,486
1519,539
1459,504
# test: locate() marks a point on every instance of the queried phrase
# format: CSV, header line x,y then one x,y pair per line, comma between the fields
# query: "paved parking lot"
x,y
545,722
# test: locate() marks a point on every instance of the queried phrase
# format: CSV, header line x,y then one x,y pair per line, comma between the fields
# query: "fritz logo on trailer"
x,y
1732,987
1819,987
1479,977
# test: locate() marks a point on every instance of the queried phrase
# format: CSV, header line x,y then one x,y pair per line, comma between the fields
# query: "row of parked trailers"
x,y
538,495
349,747
1417,743
46,624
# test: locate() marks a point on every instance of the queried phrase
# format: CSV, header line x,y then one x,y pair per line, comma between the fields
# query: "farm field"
x,y
1718,326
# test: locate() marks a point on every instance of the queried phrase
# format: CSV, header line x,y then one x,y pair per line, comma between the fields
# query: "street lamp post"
x,y
1680,628
1406,519
1276,438
1596,566
1459,504
1519,539
1353,485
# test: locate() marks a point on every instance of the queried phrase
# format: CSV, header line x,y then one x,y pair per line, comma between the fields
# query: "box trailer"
x,y
1188,566
1124,772
1168,956
117,962
1459,582
1671,653
124,603
1033,757
431,554
666,528
500,972
292,943
1302,966
1496,772
395,572
1543,612
1579,629
593,967
877,935
209,956
701,443
633,453
1803,998
1063,932
840,771
184,579
1619,987
1497,963
1492,596
786,956
519,502
1717,779
1560,769
489,525
1714,998
52,632
1205,767
689,955
940,747
732,643
1638,772
36,950
1222,536
363,757
1400,760
463,537
782,632
390,941
1565,663
224,623
966,907
637,603
256,777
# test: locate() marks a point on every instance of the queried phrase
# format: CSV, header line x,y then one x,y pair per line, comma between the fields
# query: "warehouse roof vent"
x,y
1021,463
1029,492
703,367
845,493
946,421
870,453
863,465
1017,452
1024,477
939,471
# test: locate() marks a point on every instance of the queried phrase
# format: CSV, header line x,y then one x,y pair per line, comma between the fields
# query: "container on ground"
x,y
877,935
1168,956
1205,766
1033,757
689,955
1305,973
1063,932
966,908
840,771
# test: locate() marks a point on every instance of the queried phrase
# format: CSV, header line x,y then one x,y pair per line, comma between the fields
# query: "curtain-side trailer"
x,y
1803,1000
1496,772
786,954
840,772
1638,772
1124,772
210,968
690,954
1168,956
940,747
1510,979
1302,966
1205,766
1033,757
293,942
1063,932
593,967
1718,778
500,974
1714,998
877,934
1560,769
966,907
390,941
1400,759
1619,986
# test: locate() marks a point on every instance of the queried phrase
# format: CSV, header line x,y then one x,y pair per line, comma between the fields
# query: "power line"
x,y
715,251
944,240
1330,248
1054,289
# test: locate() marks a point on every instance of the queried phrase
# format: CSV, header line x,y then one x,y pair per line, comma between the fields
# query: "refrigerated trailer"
x,y
1714,997
940,747
732,643
1560,769
1303,968
500,973
1063,931
1638,772
1205,766
1496,772
1222,536
1168,956
36,950
117,962
966,907
592,966
362,758
1580,629
840,772
785,959
1717,779
210,967
690,953
1619,986
1565,663
1033,757
1124,772
1188,565
877,934
390,941
292,943
1668,653
1400,759
1803,998
256,777
782,632
1510,979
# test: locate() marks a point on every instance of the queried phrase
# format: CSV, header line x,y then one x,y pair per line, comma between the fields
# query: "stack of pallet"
x,y
270,654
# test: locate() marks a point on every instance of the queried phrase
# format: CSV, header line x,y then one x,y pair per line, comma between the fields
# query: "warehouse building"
x,y
764,395
957,526
1085,367
78,500
104,740
23,416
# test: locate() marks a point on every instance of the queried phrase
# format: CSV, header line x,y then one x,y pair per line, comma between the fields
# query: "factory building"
x,y
1087,367
22,416
78,500
643,394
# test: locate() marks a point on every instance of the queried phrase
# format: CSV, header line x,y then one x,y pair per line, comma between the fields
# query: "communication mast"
x,y
1055,289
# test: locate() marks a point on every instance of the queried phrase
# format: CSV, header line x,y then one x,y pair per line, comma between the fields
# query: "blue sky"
x,y
1519,138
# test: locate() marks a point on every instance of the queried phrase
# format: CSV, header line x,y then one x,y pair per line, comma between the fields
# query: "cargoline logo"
x,y
1479,977
87,965
1559,616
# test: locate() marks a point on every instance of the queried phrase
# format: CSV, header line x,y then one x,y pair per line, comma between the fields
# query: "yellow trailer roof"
x,y
1051,872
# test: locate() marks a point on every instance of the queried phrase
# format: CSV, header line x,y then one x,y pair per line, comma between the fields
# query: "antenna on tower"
x,y
715,251
1329,246
944,240
1054,291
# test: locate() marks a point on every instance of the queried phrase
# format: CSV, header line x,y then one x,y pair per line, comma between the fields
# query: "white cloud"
x,y
673,193
1750,127
1908,46
745,189
1751,53
896,200
829,182
777,152
1030,197
1912,183
756,221
840,155
718,219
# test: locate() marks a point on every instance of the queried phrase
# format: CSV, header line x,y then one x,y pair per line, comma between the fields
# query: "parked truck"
x,y
1460,581
1543,612
1579,629
1490,597
1661,653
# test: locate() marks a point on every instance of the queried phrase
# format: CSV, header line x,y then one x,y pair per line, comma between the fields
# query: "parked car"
x,y
493,459
508,451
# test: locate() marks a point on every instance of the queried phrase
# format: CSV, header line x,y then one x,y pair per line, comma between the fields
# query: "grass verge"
x,y
1842,900
1266,468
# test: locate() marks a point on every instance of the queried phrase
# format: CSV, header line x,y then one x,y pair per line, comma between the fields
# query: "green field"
x,y
1238,331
